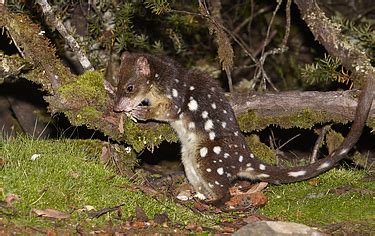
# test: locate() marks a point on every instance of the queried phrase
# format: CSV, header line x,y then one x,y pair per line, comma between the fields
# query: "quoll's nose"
x,y
117,108
123,105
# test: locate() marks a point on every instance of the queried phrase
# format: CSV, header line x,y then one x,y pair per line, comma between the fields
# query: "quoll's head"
x,y
134,82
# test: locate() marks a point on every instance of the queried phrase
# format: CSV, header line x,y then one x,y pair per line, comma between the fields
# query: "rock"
x,y
278,228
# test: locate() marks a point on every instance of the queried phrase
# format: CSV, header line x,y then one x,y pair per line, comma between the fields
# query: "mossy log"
x,y
84,100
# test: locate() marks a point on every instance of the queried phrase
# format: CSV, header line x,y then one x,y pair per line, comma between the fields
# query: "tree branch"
x,y
329,35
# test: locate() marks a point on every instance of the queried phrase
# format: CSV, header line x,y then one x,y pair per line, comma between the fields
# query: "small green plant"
x,y
326,70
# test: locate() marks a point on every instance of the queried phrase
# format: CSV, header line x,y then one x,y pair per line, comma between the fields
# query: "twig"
x,y
55,23
351,57
287,27
99,213
318,142
288,141
260,72
270,25
37,200
236,39
225,50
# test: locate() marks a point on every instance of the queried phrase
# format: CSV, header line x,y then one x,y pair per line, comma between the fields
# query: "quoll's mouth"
x,y
145,102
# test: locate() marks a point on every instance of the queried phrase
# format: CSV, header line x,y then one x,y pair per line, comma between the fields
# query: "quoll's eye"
x,y
130,88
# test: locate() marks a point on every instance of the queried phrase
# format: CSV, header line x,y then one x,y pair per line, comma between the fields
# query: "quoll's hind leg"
x,y
215,178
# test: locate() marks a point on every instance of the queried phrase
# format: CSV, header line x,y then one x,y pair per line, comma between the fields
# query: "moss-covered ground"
x,y
68,176
340,195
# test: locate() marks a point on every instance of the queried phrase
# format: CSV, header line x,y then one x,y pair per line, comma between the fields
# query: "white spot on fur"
x,y
177,81
324,165
213,105
210,185
297,173
226,155
208,170
209,95
240,159
191,125
262,176
217,183
229,175
220,160
174,93
208,125
191,88
193,105
248,164
225,111
235,133
249,169
217,149
204,114
262,167
224,124
203,151
211,135
252,155
220,171
200,196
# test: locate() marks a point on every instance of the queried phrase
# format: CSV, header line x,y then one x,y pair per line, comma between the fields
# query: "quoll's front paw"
x,y
140,113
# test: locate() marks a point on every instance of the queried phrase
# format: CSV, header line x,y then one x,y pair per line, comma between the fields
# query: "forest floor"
x,y
61,187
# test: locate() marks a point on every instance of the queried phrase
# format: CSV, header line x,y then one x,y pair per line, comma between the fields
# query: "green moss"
x,y
260,149
150,137
314,204
37,50
333,140
304,119
87,115
371,123
87,88
67,176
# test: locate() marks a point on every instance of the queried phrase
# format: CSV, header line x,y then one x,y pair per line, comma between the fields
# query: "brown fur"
x,y
214,151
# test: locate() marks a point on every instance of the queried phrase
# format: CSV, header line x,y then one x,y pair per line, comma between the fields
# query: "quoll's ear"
x,y
142,66
110,88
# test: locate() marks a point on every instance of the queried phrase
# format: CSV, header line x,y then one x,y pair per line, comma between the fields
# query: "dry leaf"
x,y
51,213
2,162
10,198
246,200
121,125
104,156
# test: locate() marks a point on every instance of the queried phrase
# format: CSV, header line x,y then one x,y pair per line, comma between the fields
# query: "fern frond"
x,y
326,70
158,7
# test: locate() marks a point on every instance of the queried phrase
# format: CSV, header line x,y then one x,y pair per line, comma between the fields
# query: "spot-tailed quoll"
x,y
214,151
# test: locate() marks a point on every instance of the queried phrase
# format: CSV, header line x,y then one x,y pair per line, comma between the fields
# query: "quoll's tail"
x,y
276,175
